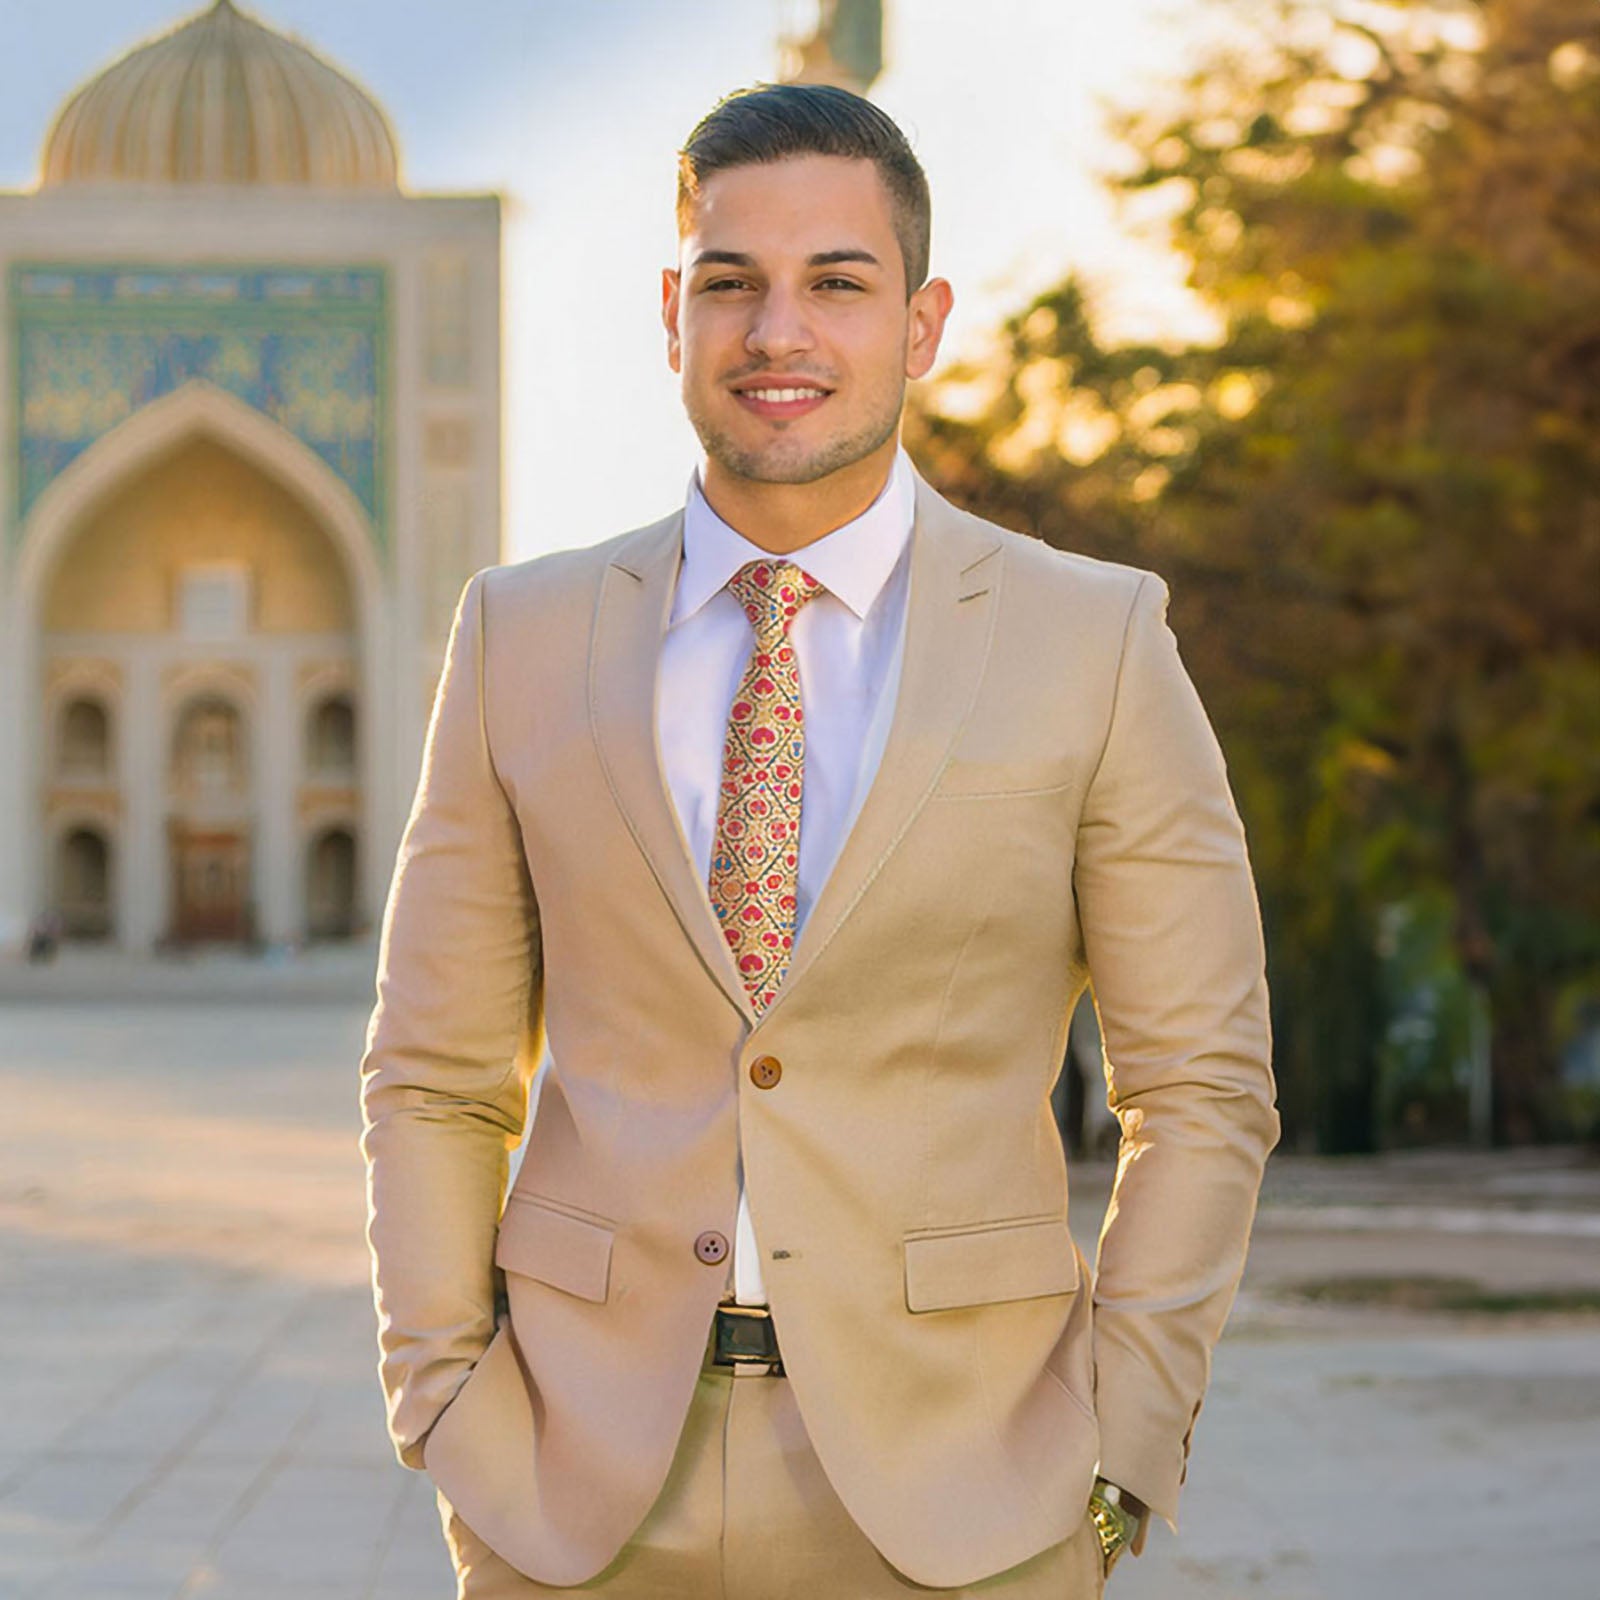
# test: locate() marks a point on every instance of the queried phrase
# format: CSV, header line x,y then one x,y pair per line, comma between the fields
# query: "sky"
x,y
574,112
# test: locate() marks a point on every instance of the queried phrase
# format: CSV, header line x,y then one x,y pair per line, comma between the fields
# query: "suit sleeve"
x,y
1172,936
450,1050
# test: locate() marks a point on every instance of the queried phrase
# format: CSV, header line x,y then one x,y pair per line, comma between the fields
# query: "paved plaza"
x,y
188,1365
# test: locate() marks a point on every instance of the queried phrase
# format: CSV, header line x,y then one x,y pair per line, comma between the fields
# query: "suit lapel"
x,y
625,653
949,615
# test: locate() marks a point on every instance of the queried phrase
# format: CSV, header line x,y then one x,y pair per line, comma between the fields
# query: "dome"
x,y
222,99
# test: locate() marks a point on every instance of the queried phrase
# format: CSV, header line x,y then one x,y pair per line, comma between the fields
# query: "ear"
x,y
925,315
670,282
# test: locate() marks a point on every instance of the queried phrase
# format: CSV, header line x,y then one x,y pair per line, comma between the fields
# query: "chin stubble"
x,y
759,466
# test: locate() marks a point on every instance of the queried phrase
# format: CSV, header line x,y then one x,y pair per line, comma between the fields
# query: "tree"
x,y
1377,497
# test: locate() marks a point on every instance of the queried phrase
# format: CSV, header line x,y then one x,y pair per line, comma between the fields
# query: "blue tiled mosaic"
x,y
306,347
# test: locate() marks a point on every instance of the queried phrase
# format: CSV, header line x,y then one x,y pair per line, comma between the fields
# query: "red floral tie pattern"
x,y
756,851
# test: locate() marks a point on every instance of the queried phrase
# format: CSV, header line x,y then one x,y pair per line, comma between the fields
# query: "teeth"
x,y
779,395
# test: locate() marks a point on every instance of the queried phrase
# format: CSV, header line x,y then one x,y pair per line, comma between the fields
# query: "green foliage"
x,y
1433,1023
1377,498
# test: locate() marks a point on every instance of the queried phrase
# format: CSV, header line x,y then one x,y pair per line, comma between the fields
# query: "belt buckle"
x,y
745,1337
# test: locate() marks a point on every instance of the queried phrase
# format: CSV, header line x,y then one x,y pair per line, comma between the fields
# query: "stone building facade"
x,y
250,450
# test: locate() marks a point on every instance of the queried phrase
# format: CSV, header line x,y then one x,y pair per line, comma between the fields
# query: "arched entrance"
x,y
209,822
331,739
331,885
221,574
84,742
83,883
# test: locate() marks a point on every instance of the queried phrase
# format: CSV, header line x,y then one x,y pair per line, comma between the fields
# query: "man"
x,y
798,819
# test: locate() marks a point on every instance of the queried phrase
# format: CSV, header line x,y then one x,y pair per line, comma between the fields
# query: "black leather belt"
x,y
746,1334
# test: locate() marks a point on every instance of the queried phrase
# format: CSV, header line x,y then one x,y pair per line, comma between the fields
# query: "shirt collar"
x,y
853,561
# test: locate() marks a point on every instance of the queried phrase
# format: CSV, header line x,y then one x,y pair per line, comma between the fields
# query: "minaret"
x,y
833,41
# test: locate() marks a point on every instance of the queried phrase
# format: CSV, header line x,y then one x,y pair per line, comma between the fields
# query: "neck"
x,y
785,517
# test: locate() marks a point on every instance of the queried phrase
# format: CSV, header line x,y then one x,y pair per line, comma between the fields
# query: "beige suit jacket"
x,y
1051,804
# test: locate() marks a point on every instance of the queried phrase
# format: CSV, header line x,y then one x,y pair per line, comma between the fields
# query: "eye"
x,y
722,283
841,283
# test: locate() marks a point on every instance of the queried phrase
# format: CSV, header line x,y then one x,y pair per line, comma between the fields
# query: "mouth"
x,y
782,402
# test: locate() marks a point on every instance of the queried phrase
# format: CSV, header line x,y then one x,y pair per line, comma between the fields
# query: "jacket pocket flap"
x,y
976,780
557,1248
996,1261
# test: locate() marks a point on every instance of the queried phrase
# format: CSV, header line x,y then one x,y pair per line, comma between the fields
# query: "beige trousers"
x,y
747,1513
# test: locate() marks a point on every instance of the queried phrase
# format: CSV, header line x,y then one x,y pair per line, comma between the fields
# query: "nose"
x,y
778,325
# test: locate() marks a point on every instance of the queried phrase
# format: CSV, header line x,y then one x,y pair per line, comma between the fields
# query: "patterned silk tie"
x,y
755,854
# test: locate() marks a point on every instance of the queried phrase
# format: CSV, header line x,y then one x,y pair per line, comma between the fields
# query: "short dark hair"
x,y
774,120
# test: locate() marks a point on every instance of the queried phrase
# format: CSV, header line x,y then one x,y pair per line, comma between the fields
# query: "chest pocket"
x,y
979,780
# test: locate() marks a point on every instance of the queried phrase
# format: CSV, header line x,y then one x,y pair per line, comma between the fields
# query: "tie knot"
x,y
772,593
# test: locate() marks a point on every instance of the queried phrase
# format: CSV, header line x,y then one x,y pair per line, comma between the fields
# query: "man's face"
x,y
787,318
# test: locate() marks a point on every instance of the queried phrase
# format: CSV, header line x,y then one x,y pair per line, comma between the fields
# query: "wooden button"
x,y
765,1071
711,1247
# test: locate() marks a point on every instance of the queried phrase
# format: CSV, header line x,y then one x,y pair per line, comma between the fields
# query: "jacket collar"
x,y
853,562
949,620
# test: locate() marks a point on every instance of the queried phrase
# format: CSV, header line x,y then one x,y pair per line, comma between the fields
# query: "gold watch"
x,y
1114,1522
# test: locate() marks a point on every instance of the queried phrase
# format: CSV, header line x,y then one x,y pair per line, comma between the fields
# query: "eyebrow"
x,y
823,258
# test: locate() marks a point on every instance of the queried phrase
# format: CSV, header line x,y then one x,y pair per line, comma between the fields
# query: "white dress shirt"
x,y
848,641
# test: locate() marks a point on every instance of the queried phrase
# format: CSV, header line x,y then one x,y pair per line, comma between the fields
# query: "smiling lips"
x,y
790,401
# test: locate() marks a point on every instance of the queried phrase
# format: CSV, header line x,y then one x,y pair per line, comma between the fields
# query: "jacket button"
x,y
711,1247
765,1071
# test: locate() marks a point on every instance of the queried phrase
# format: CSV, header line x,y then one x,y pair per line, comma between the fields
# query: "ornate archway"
x,y
196,410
